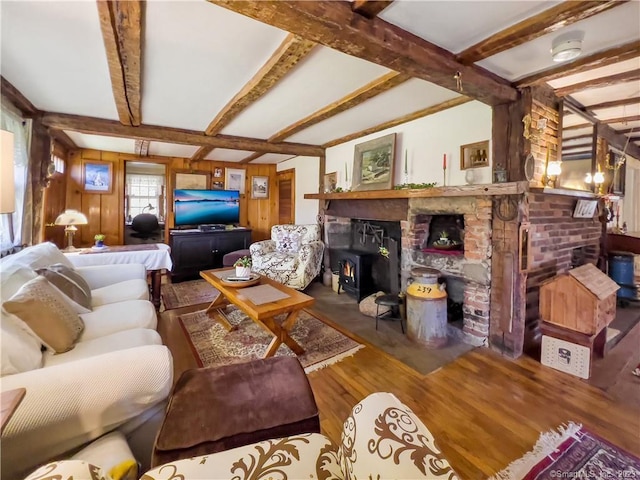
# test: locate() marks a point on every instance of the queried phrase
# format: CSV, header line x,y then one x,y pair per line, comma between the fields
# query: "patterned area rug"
x,y
214,346
183,294
572,452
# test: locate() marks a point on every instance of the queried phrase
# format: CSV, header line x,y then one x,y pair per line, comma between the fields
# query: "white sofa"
x,y
382,438
292,257
117,375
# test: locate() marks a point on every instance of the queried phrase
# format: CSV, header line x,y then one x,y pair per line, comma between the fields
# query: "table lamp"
x,y
71,218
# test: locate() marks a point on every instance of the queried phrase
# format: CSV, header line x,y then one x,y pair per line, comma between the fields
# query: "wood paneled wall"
x,y
106,211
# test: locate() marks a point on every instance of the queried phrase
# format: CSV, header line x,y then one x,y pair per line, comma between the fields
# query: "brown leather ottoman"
x,y
219,408
230,258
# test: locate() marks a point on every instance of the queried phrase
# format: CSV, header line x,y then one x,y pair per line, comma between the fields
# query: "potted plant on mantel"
x,y
243,267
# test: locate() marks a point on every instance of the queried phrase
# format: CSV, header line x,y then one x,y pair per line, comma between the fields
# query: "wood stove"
x,y
354,273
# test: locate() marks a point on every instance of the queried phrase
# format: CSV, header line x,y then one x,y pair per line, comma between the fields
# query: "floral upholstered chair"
x,y
292,257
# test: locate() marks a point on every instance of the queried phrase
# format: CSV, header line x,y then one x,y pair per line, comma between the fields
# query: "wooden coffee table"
x,y
263,314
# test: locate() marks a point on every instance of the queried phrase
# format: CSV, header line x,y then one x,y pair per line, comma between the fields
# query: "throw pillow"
x,y
47,313
69,283
21,348
287,242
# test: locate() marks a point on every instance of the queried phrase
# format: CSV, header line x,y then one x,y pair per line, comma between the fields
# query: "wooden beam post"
x,y
121,22
335,25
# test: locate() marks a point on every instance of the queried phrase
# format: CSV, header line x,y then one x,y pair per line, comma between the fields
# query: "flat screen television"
x,y
201,207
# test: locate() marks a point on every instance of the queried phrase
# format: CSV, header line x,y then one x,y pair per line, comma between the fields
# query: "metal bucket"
x,y
426,303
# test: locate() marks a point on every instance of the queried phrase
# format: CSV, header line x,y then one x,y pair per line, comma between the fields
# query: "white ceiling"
x,y
457,25
323,77
197,56
195,51
53,53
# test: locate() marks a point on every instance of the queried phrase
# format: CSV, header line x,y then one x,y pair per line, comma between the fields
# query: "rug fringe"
x,y
546,445
332,360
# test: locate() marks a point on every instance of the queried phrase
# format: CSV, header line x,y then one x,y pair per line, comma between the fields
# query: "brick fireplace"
x,y
511,239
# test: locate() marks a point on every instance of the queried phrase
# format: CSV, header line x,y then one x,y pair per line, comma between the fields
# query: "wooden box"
x,y
583,299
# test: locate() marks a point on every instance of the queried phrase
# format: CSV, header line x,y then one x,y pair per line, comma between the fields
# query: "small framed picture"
x,y
234,179
330,182
217,172
259,187
97,177
217,185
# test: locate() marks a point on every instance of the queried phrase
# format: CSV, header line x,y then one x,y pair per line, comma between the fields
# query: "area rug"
x,y
214,346
183,294
572,452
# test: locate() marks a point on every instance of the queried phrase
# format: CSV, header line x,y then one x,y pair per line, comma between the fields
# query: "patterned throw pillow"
x,y
287,242
48,313
69,283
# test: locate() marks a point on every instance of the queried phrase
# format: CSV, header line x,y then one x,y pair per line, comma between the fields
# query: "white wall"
x,y
425,140
306,181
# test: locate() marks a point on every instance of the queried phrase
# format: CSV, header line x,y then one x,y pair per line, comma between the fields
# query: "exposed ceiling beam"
x,y
372,89
121,22
577,126
549,21
576,145
404,119
63,139
583,64
634,138
370,8
629,118
579,137
251,158
618,141
613,103
289,53
335,25
112,128
141,147
630,76
16,97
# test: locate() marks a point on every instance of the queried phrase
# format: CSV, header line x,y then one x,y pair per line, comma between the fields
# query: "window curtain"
x,y
631,202
11,121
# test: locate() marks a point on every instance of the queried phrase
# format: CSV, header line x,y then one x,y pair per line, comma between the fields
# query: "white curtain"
x,y
11,121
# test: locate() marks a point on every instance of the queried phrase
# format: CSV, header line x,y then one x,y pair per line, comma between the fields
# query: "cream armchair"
x,y
292,257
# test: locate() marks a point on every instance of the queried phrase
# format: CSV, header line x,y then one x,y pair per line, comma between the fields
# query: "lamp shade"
x,y
7,182
71,217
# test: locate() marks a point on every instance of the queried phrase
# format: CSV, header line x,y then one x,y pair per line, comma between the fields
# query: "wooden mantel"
x,y
511,188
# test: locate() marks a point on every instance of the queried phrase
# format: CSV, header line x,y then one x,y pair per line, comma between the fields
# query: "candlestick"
x,y
346,176
444,170
406,170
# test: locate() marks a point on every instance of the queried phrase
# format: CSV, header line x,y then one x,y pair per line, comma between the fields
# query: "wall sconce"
x,y
533,133
598,179
553,170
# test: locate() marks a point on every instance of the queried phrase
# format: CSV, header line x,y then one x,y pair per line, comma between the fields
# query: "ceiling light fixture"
x,y
566,47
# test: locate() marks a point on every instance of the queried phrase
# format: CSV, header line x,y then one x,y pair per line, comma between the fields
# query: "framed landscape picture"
x,y
97,177
191,180
373,164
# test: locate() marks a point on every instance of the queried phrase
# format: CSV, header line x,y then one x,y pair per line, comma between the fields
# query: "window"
x,y
58,163
145,194
11,224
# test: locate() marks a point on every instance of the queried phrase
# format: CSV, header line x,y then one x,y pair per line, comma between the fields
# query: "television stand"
x,y
194,250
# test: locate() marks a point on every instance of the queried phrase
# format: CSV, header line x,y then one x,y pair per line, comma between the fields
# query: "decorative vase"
x,y
99,243
243,272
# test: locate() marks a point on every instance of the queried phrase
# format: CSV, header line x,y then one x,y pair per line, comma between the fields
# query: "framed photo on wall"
x,y
234,179
259,187
191,180
97,177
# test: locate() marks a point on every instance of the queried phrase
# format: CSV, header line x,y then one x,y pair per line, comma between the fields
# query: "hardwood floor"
x,y
483,410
